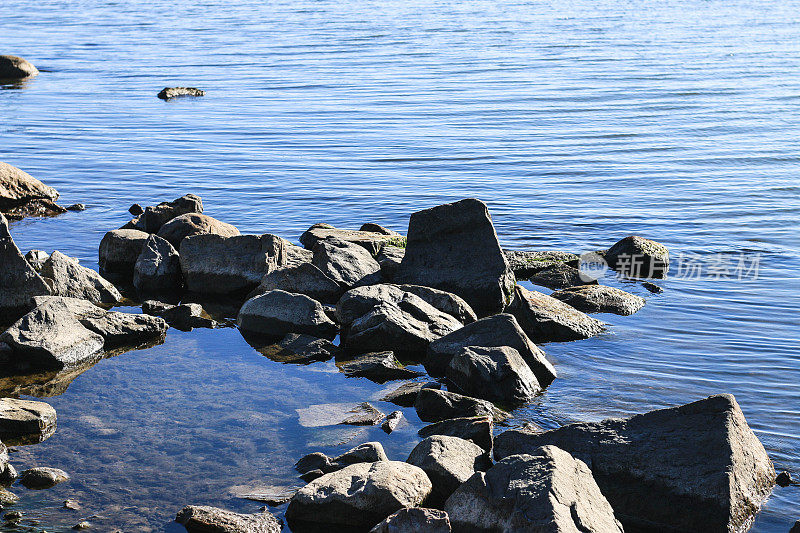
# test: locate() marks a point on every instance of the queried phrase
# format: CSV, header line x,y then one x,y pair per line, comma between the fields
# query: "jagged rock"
x,y
155,307
453,247
370,241
303,278
449,462
15,67
359,496
296,256
18,188
277,313
784,479
379,367
497,330
155,216
186,317
42,477
364,414
213,264
301,349
406,394
346,263
359,301
546,319
18,280
204,519
76,207
25,421
600,299
496,374
168,93
436,405
393,420
190,224
561,276
525,264
120,249
69,279
135,210
377,228
637,257
701,458
414,520
547,490
36,259
389,258
158,268
477,429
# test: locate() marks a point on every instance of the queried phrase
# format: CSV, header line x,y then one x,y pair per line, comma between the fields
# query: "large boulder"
x,y
204,519
277,313
156,216
358,496
546,319
120,249
414,520
25,421
158,268
453,247
213,264
637,257
600,299
434,405
18,188
497,330
546,490
701,458
372,241
449,462
347,264
15,68
301,278
19,281
526,264
497,374
477,429
357,302
69,279
190,224
369,452
300,349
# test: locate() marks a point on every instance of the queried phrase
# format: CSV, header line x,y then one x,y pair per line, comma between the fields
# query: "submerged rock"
x,y
652,287
393,420
701,458
69,279
454,248
277,313
329,414
476,429
546,490
637,257
18,188
364,414
120,249
436,405
496,374
302,278
42,477
600,299
379,367
347,264
414,520
526,264
190,224
370,240
158,268
15,67
560,276
300,349
205,519
19,281
546,319
155,216
406,394
25,421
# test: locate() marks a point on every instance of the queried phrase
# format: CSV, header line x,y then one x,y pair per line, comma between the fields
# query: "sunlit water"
x,y
577,122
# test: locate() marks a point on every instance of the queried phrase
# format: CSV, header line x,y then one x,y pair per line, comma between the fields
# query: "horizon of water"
x,y
577,123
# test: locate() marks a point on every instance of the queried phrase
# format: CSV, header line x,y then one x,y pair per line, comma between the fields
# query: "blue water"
x,y
577,122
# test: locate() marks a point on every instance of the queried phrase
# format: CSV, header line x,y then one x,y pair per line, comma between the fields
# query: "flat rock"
x,y
168,93
600,299
300,349
329,414
273,495
204,519
17,187
546,490
525,264
302,278
546,319
364,414
155,216
414,520
158,268
560,276
454,248
497,374
42,477
637,257
379,367
120,249
69,279
18,279
277,313
477,429
359,496
25,421
449,462
190,224
701,458
370,240
406,394
346,263
436,405
15,67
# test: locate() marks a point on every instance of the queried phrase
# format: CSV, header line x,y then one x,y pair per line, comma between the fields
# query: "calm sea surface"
x,y
577,122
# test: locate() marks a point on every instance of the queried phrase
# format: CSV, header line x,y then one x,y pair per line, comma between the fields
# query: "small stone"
x,y
168,93
784,479
76,207
72,505
406,394
311,475
13,516
652,287
42,477
392,421
136,210
82,525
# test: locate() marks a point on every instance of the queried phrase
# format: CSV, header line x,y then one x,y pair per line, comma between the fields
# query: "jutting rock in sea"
x,y
277,313
546,319
205,519
23,195
168,93
15,67
637,257
19,282
25,421
120,249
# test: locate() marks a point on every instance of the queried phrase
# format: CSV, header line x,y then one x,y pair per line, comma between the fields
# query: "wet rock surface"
x,y
379,367
42,477
600,299
25,421
69,279
496,374
477,429
546,319
278,313
205,519
168,93
413,520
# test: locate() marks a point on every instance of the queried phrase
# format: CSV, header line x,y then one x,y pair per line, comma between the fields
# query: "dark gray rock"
x,y
136,210
406,394
155,216
213,264
311,475
76,207
15,67
701,458
784,479
358,496
637,257
302,278
359,301
120,249
69,279
313,461
371,227
436,405
8,474
795,527
652,287
445,302
526,264
546,319
25,421
300,349
369,452
449,462
346,263
295,256
277,313
155,307
19,281
190,224
547,490
36,259
379,367
186,317
453,247
18,188
393,420
204,519
369,240
364,414
42,477
477,429
600,299
158,268
561,276
497,374
497,330
389,258
414,520
168,93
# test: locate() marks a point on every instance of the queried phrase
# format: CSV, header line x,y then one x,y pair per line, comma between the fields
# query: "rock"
x,y
14,68
13,516
72,505
359,496
560,276
82,525
526,264
158,268
393,419
369,452
496,374
600,299
296,256
313,461
301,349
204,519
547,490
213,264
120,249
7,498
454,248
546,319
274,495
449,462
19,281
69,279
76,207
311,475
377,228
784,479
8,474
186,317
155,216
18,188
497,330
25,421
436,405
168,93
406,394
359,301
42,477
379,367
277,313
136,210
652,287
329,414
303,278
637,257
363,415
445,302
795,527
122,329
370,241
389,258
414,520
36,259
477,429
701,458
346,263
190,224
